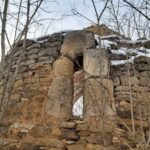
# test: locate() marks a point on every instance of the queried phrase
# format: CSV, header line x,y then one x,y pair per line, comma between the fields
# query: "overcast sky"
x,y
61,17
58,18
63,9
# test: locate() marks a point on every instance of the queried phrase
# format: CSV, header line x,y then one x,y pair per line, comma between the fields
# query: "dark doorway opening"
x,y
78,63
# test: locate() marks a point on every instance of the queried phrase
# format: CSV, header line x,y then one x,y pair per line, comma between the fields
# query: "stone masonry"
x,y
38,115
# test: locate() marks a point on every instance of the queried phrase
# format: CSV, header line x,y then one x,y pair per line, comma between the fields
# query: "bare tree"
x,y
8,86
4,19
137,9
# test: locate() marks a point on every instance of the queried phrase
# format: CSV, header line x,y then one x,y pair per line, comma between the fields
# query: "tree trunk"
x,y
3,32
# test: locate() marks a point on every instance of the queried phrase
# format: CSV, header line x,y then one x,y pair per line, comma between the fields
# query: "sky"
x,y
68,21
58,17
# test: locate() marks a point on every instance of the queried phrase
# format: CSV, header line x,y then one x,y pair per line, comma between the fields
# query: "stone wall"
x,y
132,95
30,90
38,115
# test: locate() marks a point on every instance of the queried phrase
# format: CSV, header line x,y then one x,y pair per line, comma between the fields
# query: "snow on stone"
x,y
78,107
113,36
134,41
126,51
120,51
105,42
119,62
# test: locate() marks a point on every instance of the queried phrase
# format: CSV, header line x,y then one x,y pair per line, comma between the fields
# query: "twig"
x,y
136,9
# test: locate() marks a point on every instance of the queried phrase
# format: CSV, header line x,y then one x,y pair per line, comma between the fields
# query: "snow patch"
x,y
119,51
126,52
78,107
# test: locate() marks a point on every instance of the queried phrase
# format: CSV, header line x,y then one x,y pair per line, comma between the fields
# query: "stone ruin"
x,y
53,74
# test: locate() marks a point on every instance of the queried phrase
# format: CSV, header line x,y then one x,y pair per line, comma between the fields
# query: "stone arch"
x,y
61,88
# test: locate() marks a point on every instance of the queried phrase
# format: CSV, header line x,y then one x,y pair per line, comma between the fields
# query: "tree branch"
x,y
131,5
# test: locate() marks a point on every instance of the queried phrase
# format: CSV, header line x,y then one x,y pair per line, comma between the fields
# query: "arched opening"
x,y
77,109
